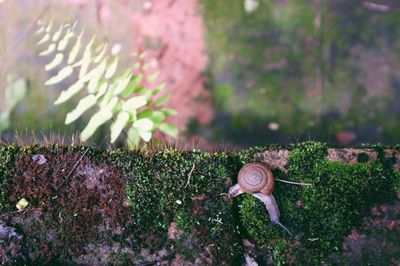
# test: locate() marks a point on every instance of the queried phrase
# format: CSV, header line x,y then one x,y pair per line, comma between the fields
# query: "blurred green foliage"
x,y
314,67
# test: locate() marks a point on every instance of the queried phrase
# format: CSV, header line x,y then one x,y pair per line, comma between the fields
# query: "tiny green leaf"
x,y
83,105
57,60
133,137
15,92
134,103
49,50
45,39
143,125
71,91
101,54
119,124
57,34
64,73
111,69
102,90
169,111
64,42
153,76
95,122
87,56
122,83
169,129
162,100
75,50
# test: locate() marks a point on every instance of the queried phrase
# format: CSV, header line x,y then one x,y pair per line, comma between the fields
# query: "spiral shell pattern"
x,y
256,177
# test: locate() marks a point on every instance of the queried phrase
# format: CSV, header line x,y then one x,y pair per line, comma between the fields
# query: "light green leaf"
x,y
95,76
112,103
101,54
15,92
143,125
134,103
95,122
4,121
106,98
49,50
57,34
153,76
132,86
75,50
169,129
159,88
87,56
145,135
158,117
49,26
45,39
71,91
57,60
145,114
169,111
119,124
162,100
40,30
123,82
64,73
84,104
102,90
64,42
111,69
133,137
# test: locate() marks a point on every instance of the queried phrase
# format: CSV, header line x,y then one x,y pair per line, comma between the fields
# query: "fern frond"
x,y
123,98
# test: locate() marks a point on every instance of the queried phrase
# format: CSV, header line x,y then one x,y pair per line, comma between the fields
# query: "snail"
x,y
258,180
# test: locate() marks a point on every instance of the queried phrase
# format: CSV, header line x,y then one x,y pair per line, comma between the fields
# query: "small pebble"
x,y
39,159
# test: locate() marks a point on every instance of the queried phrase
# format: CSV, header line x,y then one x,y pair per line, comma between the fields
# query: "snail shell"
x,y
256,177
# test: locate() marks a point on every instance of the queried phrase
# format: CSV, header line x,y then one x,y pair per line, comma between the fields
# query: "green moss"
x,y
189,188
322,214
7,156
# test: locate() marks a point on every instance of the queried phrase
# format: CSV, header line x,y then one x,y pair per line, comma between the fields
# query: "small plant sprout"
x,y
128,99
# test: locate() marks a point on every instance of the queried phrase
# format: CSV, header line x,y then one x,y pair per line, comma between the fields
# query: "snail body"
x,y
258,180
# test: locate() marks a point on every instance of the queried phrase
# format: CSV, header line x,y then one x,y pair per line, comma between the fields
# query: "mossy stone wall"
x,y
178,203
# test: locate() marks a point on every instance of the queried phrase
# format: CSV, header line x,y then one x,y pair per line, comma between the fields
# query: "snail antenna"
x,y
287,230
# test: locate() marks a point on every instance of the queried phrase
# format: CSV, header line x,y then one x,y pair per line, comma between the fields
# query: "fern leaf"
x,y
153,76
133,137
57,60
162,100
57,34
95,122
119,125
87,56
102,90
75,50
101,54
64,41
132,86
49,26
95,75
45,39
134,103
49,50
111,69
71,91
143,124
40,30
169,129
122,83
83,105
63,74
